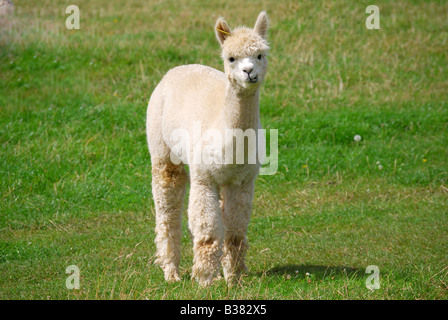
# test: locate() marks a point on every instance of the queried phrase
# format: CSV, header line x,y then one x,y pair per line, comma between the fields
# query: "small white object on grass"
x,y
357,138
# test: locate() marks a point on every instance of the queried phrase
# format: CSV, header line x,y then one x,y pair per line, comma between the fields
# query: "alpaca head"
x,y
244,52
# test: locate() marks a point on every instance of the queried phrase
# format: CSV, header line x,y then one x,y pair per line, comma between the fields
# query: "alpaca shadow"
x,y
318,271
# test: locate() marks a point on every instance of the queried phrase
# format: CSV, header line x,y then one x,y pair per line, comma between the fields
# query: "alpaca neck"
x,y
241,109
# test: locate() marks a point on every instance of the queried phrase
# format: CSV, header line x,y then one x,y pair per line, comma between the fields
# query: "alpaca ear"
x,y
222,30
262,24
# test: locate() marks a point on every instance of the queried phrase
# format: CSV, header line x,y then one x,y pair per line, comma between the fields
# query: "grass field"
x,y
75,170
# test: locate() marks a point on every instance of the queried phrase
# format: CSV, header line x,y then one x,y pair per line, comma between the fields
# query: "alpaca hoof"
x,y
204,278
171,274
232,279
204,281
207,281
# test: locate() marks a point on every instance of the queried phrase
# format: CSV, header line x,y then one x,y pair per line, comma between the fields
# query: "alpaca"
x,y
221,194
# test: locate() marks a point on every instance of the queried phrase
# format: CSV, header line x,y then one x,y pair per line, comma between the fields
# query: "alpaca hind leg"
x,y
168,187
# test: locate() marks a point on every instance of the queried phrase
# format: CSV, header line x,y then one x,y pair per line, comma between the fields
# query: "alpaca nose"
x,y
248,70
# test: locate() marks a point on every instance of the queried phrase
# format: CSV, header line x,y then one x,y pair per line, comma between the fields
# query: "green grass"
x,y
75,187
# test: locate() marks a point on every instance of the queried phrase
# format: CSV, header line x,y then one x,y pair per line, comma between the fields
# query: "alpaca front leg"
x,y
237,207
205,223
168,188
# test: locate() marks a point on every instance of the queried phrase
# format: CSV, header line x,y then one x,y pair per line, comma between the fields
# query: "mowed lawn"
x,y
75,184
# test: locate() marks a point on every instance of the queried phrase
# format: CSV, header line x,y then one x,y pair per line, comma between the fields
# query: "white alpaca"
x,y
221,194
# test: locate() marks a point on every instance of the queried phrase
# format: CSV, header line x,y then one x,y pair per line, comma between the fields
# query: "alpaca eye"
x,y
259,57
232,59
